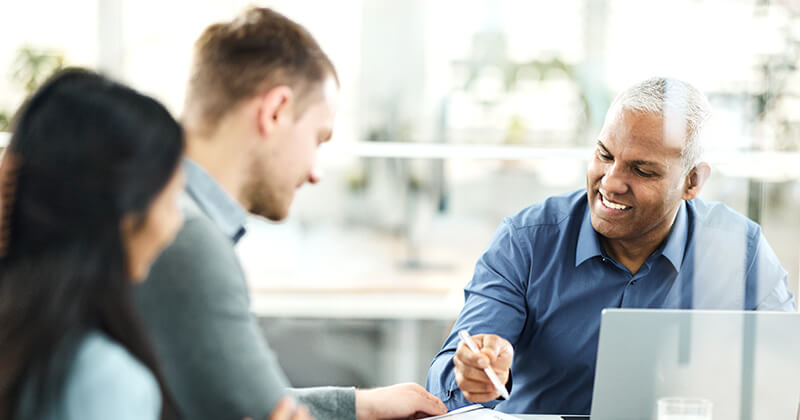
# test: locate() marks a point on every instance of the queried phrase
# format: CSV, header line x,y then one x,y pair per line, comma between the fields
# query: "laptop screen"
x,y
746,364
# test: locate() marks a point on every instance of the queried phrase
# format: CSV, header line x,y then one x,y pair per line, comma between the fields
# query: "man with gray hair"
x,y
637,237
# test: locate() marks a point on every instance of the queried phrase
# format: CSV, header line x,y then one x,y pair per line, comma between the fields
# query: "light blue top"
x,y
545,277
217,204
103,382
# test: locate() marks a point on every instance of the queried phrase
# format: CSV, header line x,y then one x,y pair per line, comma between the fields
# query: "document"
x,y
474,412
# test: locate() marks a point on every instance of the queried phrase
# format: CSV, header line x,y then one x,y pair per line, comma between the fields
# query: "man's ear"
x,y
274,107
695,180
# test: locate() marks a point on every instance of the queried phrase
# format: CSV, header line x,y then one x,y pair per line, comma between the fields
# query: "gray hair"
x,y
681,105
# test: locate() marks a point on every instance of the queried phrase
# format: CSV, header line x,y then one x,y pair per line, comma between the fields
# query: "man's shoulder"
x,y
198,236
200,258
200,242
717,217
553,211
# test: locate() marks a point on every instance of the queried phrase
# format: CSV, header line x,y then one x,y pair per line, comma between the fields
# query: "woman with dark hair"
x,y
89,187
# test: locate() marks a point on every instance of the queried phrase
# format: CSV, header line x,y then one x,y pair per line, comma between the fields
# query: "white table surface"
x,y
357,304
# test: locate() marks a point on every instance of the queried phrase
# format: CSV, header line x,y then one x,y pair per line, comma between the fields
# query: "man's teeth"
x,y
615,206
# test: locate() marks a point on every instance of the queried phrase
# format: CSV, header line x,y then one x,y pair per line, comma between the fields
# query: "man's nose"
x,y
614,180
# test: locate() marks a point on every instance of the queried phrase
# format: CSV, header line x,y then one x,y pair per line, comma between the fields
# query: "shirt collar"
x,y
217,204
589,244
676,240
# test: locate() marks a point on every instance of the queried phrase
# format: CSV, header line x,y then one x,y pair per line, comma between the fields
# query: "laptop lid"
x,y
746,363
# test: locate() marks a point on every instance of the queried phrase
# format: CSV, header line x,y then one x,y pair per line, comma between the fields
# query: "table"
x,y
537,417
357,303
402,312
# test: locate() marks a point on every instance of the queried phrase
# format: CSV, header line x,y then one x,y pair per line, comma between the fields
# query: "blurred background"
x,y
453,115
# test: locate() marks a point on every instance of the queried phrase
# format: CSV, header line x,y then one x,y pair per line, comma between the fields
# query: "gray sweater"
x,y
216,361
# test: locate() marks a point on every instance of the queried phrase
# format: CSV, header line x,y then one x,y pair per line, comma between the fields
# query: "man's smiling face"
x,y
635,181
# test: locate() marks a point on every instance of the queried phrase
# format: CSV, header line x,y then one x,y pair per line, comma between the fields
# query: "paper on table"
x,y
474,412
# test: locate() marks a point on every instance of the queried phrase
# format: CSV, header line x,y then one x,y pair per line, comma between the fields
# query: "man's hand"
x,y
496,352
287,409
402,401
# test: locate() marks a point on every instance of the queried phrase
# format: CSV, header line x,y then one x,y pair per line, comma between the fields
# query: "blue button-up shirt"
x,y
545,277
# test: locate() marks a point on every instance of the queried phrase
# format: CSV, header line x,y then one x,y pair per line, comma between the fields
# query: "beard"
x,y
263,202
263,198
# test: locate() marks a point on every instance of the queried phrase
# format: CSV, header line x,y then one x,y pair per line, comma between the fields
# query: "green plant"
x,y
5,120
30,69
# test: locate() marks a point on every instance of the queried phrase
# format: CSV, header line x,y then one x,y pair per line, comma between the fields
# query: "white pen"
x,y
467,339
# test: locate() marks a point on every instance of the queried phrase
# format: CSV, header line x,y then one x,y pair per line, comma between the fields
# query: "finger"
x,y
283,410
423,393
440,407
492,345
432,405
505,357
468,357
500,367
480,397
428,403
464,372
478,375
462,366
476,387
302,413
482,384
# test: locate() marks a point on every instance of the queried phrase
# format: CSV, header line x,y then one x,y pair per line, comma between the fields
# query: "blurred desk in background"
x,y
314,288
357,303
400,313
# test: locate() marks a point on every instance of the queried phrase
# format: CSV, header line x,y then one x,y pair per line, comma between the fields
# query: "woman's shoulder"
x,y
100,358
106,381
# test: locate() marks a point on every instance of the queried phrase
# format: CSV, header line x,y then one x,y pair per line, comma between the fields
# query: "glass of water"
x,y
680,408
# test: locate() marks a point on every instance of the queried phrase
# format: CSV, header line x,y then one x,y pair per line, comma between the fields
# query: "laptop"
x,y
746,363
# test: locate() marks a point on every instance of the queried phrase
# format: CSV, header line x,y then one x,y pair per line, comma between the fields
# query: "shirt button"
x,y
605,260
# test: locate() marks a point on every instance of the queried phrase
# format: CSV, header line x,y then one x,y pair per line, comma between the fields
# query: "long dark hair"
x,y
85,152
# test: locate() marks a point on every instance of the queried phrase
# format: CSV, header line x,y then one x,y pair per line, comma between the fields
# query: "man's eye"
x,y
642,173
604,156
